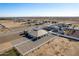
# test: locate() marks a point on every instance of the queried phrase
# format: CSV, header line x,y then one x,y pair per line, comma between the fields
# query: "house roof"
x,y
37,33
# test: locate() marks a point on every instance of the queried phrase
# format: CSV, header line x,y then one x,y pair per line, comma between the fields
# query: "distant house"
x,y
2,26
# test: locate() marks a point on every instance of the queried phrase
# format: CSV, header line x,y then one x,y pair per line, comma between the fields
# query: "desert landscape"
x,y
8,25
59,46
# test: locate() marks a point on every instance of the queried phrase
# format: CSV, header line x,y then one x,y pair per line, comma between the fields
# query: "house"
x,y
34,34
2,26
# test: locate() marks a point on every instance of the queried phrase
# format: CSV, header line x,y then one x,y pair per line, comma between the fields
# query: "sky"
x,y
38,9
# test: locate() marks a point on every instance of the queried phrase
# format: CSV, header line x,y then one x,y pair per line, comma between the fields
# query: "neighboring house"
x,y
2,26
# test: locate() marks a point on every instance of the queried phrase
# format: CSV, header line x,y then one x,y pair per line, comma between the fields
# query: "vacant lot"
x,y
5,47
10,23
59,46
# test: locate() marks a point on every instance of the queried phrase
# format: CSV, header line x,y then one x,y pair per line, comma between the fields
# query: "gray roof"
x,y
37,33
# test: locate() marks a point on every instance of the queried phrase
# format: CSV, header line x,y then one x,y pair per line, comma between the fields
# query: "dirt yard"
x,y
10,23
58,47
5,47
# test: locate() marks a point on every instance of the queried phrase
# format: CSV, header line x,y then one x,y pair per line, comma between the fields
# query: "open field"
x,y
5,47
10,23
59,46
9,38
